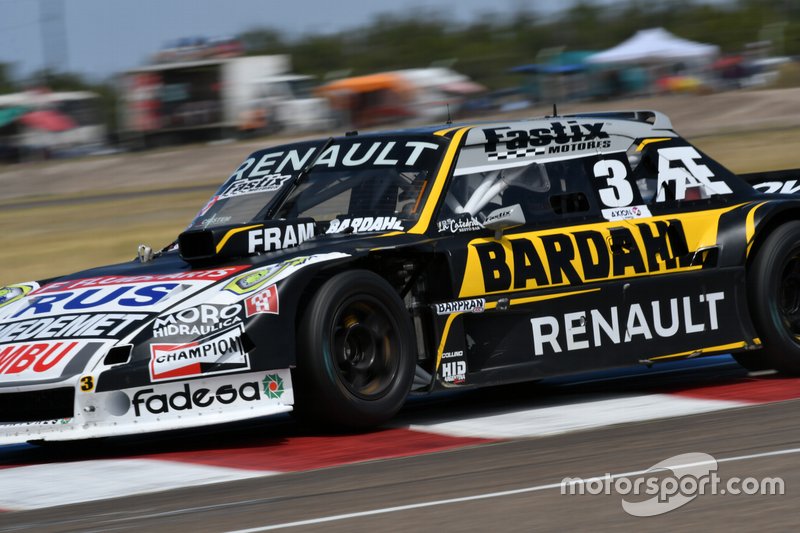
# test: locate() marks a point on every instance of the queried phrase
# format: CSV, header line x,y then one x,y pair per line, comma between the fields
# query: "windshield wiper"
x,y
282,196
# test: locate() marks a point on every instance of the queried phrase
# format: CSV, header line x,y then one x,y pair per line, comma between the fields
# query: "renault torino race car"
x,y
335,277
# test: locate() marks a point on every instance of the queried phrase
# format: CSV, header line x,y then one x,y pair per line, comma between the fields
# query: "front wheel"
x,y
355,359
774,293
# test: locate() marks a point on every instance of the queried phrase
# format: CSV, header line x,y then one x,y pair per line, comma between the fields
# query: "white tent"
x,y
655,45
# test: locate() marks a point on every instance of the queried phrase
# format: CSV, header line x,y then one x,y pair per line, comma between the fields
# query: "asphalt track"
x,y
509,484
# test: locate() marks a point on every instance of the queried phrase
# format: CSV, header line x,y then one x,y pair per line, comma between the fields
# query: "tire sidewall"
x,y
764,285
321,391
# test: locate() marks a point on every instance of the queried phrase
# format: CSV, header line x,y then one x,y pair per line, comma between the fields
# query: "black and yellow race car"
x,y
337,276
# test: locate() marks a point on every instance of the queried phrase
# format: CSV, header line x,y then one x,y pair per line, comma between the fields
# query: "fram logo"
x,y
98,298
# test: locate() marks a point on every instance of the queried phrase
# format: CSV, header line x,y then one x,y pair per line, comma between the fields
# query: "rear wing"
x,y
778,181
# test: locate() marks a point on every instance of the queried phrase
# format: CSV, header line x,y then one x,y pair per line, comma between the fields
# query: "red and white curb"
x,y
46,485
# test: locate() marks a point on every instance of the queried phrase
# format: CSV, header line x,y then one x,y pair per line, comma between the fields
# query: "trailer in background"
x,y
211,99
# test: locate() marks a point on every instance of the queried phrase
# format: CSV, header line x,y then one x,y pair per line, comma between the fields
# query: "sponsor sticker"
x,y
100,325
219,353
626,213
215,274
273,386
13,293
196,321
256,279
365,224
263,302
37,359
473,305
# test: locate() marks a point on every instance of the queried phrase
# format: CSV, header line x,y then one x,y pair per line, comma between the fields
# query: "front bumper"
x,y
155,407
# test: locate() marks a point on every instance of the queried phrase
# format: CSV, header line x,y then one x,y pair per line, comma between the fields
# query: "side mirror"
x,y
503,218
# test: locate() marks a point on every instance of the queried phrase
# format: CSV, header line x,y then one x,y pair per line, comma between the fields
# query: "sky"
x,y
103,37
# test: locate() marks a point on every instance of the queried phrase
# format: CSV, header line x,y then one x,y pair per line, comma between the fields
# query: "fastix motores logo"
x,y
559,137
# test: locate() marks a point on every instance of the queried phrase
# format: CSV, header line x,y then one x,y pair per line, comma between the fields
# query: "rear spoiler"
x,y
778,181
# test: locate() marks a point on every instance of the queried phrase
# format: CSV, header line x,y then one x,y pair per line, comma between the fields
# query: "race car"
x,y
336,277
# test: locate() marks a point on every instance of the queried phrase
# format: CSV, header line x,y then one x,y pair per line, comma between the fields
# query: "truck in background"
x,y
217,98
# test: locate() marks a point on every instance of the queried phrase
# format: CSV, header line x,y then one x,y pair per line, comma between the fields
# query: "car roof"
x,y
635,123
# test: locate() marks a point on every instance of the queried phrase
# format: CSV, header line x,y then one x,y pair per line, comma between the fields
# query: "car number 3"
x,y
619,192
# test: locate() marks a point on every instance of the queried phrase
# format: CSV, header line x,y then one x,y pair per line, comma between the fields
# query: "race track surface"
x,y
486,459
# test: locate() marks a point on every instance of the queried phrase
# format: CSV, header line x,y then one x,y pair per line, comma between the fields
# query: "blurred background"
x,y
132,112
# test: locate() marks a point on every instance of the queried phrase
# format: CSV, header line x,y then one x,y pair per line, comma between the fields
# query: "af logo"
x,y
689,174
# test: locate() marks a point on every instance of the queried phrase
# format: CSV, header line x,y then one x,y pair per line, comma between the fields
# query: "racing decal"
x,y
258,278
215,274
263,302
454,372
101,325
255,184
459,224
618,192
268,239
196,321
474,305
268,171
86,383
197,397
365,224
214,220
558,138
13,293
626,213
160,401
273,386
655,319
781,187
102,298
689,174
218,353
547,259
43,360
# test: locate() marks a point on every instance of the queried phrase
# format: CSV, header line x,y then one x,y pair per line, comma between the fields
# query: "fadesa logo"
x,y
36,358
188,398
98,298
265,301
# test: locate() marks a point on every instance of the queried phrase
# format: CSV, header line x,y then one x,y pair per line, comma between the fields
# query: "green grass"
x,y
46,241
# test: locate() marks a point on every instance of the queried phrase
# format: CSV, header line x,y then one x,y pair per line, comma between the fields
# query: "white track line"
x,y
48,485
566,417
485,496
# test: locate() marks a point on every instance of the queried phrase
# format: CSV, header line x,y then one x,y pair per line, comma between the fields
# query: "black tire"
x,y
356,353
774,294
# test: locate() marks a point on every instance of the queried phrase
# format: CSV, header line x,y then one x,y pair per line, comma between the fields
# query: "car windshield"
x,y
366,184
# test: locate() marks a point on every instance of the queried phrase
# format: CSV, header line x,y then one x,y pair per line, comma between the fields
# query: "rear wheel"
x,y
355,360
774,293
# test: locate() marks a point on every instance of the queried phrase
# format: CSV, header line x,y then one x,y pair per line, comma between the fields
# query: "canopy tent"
x,y
655,45
11,114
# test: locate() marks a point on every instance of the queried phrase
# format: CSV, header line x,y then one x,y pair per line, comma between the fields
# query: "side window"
x,y
547,192
671,171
